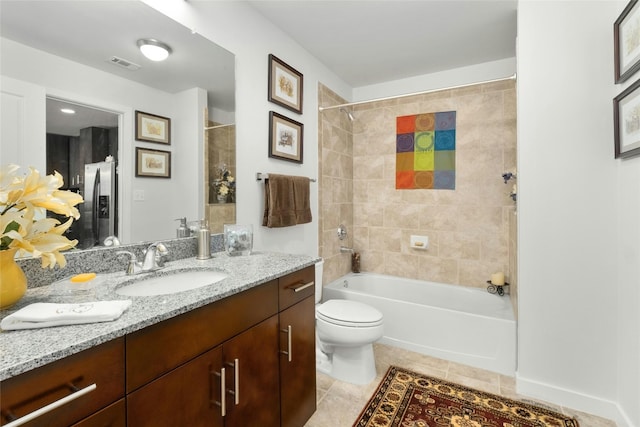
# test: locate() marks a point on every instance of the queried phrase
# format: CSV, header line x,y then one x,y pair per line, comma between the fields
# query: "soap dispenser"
x,y
204,241
182,230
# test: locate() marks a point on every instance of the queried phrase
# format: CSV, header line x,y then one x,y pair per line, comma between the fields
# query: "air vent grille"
x,y
124,63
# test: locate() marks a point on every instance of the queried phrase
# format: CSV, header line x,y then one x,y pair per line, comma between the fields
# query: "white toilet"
x,y
345,332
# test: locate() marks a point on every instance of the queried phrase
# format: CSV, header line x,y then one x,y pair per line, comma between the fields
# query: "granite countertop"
x,y
23,350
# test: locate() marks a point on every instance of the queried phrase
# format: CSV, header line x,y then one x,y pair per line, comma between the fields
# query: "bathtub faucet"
x,y
346,250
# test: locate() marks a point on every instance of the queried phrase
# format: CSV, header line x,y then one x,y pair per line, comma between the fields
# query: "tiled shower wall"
x,y
335,186
220,147
468,228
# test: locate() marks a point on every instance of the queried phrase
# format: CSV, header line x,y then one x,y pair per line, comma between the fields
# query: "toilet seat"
x,y
349,313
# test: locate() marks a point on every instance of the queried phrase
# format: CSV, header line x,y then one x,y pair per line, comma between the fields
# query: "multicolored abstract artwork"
x,y
426,151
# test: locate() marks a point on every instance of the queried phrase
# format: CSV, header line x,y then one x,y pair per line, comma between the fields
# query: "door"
x,y
298,363
187,396
22,124
251,362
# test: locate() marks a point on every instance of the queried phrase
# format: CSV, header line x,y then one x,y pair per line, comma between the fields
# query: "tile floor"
x,y
340,403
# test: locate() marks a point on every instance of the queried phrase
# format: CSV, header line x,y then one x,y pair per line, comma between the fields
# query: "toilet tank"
x,y
318,280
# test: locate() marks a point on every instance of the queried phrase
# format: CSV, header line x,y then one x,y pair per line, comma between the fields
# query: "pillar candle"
x,y
497,278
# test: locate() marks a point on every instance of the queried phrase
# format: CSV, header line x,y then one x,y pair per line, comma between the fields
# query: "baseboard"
x,y
571,399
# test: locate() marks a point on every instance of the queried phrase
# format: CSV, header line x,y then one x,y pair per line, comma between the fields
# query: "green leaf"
x,y
6,241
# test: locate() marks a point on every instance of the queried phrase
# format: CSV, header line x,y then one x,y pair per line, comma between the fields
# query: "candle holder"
x,y
496,289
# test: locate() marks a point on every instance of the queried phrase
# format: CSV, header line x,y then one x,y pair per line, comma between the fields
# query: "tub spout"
x,y
346,250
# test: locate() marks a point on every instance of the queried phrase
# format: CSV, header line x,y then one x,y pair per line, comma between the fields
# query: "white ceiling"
x,y
367,42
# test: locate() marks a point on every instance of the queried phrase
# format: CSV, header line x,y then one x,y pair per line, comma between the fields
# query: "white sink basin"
x,y
171,283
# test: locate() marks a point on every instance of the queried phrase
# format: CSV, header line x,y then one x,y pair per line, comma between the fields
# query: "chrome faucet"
x,y
152,259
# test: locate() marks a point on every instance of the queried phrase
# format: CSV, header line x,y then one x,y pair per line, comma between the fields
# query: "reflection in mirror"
x,y
82,145
94,33
220,172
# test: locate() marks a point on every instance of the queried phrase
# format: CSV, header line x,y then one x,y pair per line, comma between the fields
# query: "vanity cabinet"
x,y
83,384
189,362
245,360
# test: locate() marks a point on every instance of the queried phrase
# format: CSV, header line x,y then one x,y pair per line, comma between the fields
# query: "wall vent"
x,y
124,63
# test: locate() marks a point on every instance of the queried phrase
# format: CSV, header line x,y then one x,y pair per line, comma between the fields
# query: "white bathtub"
x,y
457,323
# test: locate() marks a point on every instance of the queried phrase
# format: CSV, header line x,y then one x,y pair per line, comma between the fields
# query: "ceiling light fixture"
x,y
68,111
153,49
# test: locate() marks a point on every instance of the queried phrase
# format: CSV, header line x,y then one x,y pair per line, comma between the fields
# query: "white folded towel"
x,y
44,315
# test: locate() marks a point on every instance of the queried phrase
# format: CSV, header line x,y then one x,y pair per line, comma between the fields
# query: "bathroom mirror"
x,y
103,35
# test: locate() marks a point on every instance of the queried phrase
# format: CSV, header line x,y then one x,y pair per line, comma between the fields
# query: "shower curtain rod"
x,y
424,92
218,126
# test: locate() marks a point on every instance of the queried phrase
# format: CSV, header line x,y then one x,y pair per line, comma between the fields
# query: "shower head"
x,y
348,113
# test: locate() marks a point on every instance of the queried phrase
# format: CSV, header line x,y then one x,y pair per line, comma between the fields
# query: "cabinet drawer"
x,y
71,378
157,349
296,286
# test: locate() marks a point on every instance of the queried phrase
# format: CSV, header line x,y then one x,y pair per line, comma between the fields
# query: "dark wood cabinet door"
x,y
298,364
186,396
254,353
113,415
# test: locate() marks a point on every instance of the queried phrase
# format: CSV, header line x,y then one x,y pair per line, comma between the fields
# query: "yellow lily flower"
x,y
22,200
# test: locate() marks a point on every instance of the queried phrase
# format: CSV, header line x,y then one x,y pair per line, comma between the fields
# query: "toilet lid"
x,y
348,313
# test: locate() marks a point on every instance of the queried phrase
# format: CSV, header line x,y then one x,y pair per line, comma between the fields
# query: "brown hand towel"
x,y
286,201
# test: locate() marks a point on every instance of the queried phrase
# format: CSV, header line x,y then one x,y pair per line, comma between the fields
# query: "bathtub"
x,y
457,323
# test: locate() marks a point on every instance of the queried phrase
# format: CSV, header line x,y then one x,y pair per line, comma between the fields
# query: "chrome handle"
x,y
51,406
302,286
289,353
236,379
223,398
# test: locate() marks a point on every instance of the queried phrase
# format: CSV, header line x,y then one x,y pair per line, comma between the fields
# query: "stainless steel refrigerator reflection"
x,y
99,210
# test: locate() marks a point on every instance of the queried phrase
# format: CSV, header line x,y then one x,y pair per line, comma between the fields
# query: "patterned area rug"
x,y
408,399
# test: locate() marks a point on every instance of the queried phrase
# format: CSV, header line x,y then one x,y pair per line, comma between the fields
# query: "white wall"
x,y
165,200
240,29
578,234
628,327
629,290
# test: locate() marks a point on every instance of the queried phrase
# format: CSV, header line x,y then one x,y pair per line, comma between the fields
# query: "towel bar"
x,y
260,176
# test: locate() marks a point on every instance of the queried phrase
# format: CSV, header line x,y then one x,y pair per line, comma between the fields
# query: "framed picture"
x,y
626,33
285,85
285,138
152,128
626,119
153,163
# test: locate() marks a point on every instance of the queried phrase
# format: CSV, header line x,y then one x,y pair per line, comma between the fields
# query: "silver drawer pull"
x,y
289,347
51,406
223,398
302,287
236,378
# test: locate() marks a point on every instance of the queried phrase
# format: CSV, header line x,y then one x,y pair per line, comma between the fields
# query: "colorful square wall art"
x,y
426,151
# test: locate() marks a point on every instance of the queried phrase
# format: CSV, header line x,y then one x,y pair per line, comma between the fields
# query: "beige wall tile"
x,y
468,227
